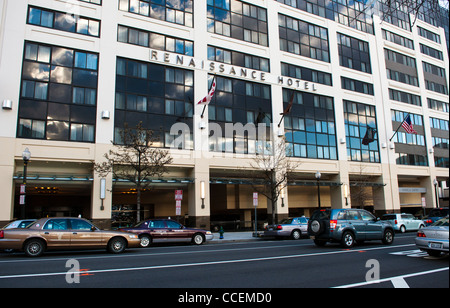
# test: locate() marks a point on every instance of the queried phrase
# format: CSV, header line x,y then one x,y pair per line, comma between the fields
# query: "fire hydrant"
x,y
221,232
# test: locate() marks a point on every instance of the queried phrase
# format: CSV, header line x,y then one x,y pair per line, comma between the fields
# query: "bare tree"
x,y
134,159
273,164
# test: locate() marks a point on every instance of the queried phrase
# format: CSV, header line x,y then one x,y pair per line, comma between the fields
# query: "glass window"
x,y
79,224
56,224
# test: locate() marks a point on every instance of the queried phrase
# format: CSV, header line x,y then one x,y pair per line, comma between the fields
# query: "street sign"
x,y
255,199
178,208
178,195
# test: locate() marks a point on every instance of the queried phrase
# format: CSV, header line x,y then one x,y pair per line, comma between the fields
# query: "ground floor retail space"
x,y
212,199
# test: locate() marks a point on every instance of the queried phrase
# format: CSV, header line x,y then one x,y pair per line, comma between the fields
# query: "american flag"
x,y
406,124
207,99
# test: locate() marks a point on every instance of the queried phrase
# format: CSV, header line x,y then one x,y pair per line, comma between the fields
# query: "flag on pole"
x,y
407,125
289,107
370,136
207,99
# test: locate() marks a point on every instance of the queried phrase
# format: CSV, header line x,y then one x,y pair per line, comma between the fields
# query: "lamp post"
x,y
203,193
26,155
318,175
435,182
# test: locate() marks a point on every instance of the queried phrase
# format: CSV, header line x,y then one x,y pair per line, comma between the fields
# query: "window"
x,y
58,97
239,20
310,127
337,10
156,95
78,224
173,11
302,38
307,74
358,118
354,53
63,21
356,85
56,224
155,41
237,58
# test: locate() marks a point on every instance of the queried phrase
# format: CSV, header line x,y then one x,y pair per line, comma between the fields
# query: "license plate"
x,y
435,245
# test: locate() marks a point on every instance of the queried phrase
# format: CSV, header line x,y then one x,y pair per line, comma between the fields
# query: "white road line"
x,y
203,263
397,281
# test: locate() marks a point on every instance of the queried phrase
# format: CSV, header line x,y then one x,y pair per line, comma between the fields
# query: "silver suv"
x,y
403,222
347,226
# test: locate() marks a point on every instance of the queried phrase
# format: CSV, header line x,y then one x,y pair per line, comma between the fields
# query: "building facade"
x,y
74,73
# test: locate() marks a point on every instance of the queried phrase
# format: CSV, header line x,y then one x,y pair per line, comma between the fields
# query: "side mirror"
x,y
93,228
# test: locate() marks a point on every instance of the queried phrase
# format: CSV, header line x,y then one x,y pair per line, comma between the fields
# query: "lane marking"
x,y
397,281
204,263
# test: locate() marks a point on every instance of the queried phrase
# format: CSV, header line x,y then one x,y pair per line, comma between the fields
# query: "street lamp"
x,y
202,193
435,182
26,155
318,175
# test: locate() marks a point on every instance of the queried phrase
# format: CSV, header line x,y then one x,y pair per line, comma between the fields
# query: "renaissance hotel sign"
x,y
229,70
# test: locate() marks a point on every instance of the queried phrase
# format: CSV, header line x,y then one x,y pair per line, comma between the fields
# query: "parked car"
x,y
64,233
434,239
435,215
294,228
20,224
403,222
167,230
347,226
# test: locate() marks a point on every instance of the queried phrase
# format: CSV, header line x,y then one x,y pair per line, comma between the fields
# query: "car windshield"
x,y
441,222
321,214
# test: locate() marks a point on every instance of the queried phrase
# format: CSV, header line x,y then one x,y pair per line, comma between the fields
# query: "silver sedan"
x,y
294,228
434,239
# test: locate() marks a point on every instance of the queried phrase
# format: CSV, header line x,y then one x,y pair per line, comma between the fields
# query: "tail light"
x,y
2,234
421,234
395,221
279,227
333,224
428,221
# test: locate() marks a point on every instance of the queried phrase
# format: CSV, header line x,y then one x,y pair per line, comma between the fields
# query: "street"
x,y
258,264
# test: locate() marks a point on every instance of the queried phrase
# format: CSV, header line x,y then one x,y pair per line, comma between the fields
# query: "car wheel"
x,y
296,235
348,240
388,237
198,239
34,248
117,245
145,241
402,229
317,227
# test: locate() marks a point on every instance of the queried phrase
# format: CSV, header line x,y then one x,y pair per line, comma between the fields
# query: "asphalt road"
x,y
260,264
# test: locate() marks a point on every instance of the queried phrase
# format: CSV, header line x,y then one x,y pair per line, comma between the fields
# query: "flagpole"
x,y
399,127
203,112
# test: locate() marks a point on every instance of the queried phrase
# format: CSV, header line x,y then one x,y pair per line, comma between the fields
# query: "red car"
x,y
166,230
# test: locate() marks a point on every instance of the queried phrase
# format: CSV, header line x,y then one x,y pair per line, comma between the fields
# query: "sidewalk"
x,y
235,237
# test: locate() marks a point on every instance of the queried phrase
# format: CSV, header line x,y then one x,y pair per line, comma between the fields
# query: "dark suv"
x,y
347,226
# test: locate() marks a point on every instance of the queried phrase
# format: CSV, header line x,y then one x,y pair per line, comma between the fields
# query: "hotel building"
x,y
74,72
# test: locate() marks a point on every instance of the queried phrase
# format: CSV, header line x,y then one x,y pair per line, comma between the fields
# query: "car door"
x,y
83,235
359,226
57,233
374,230
157,230
175,232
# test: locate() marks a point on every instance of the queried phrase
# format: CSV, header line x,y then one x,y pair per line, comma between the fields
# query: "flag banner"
x,y
289,107
207,99
407,125
370,136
